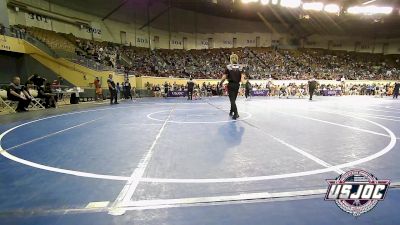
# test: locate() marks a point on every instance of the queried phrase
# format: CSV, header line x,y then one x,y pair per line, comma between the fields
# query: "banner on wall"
x,y
95,29
227,43
250,42
204,44
311,43
365,46
12,45
259,93
142,41
331,92
177,94
176,42
337,44
36,20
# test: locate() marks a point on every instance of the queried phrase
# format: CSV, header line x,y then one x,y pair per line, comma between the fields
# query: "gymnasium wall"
x,y
30,65
359,44
9,66
194,27
22,65
18,57
189,30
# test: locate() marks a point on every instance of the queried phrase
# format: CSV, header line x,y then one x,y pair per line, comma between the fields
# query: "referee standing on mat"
x,y
396,90
312,85
247,89
190,87
112,89
234,75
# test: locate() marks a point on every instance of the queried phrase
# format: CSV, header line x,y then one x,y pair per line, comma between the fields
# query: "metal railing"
x,y
19,33
42,46
89,63
83,61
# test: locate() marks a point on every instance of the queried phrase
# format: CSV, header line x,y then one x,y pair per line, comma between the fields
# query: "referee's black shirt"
x,y
234,73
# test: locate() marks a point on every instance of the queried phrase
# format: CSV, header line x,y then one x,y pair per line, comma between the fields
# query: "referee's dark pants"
x,y
247,93
233,90
190,94
311,91
113,95
396,94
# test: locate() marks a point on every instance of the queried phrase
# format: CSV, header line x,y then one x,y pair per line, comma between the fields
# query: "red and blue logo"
x,y
357,191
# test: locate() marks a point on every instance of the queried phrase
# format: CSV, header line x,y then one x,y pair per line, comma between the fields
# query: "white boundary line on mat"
x,y
380,153
131,185
150,116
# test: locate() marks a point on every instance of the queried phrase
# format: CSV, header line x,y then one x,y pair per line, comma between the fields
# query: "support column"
x,y
4,13
169,24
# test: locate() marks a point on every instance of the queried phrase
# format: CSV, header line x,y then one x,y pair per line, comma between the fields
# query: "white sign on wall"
x,y
35,20
142,41
250,42
227,43
95,29
204,44
176,42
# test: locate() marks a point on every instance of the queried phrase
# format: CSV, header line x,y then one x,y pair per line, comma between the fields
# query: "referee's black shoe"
x,y
230,113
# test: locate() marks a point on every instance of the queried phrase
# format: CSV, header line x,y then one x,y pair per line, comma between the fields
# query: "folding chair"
x,y
5,104
35,104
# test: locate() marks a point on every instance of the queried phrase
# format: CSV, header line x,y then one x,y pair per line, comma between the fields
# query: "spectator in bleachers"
x,y
98,89
118,87
17,92
49,96
127,89
259,63
2,29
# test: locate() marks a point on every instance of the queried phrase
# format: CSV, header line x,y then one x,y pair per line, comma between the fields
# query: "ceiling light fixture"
x,y
370,10
316,6
291,3
332,8
249,1
264,2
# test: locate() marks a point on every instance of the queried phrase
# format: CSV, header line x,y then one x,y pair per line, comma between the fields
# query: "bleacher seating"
x,y
52,39
260,63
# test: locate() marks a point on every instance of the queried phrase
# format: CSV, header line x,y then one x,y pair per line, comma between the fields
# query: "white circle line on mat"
x,y
6,154
150,116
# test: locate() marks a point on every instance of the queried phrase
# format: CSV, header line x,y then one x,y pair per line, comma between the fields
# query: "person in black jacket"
x,y
312,86
247,89
112,89
234,75
396,90
166,89
17,92
190,87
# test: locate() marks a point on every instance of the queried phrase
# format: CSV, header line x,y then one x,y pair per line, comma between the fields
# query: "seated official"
x,y
37,80
157,91
17,92
49,96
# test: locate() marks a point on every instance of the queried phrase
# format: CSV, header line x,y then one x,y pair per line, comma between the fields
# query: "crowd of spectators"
x,y
105,53
261,63
283,89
